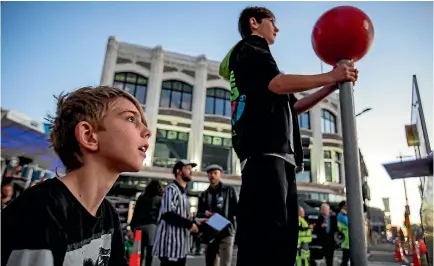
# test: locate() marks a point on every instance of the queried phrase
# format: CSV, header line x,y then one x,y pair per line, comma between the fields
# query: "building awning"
x,y
20,136
410,168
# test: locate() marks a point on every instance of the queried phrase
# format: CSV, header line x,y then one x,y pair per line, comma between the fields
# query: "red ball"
x,y
343,32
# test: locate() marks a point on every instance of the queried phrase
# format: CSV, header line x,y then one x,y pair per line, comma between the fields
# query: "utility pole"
x,y
407,222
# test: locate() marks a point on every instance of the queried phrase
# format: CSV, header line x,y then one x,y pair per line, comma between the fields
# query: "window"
x,y
338,167
170,147
217,150
328,122
176,94
305,176
218,102
328,172
133,83
333,166
304,120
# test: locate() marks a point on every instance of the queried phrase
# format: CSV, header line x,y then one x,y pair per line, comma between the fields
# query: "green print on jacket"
x,y
238,102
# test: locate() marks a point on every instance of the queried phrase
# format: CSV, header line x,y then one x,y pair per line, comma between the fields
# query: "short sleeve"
x,y
257,65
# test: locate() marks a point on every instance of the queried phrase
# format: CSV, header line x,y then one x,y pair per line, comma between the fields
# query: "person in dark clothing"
x,y
222,199
7,194
325,229
145,218
98,133
266,138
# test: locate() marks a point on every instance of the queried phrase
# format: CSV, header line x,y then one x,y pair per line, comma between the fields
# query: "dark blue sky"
x,y
49,47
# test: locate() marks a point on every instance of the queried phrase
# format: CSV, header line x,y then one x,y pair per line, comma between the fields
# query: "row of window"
x,y
179,95
173,145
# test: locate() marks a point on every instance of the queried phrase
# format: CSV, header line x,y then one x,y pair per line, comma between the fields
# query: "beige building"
x,y
187,105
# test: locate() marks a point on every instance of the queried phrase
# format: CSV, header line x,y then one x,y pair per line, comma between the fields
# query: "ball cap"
x,y
182,163
214,167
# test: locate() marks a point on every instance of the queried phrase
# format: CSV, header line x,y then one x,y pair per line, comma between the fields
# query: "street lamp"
x,y
364,111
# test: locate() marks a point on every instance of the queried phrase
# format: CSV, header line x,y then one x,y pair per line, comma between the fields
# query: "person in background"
x,y
7,194
175,223
145,218
325,229
304,238
343,229
129,242
222,199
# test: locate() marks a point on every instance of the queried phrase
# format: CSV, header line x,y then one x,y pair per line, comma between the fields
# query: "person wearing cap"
x,y
175,224
222,199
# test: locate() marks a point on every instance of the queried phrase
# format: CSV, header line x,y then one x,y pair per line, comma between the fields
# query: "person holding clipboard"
x,y
175,223
218,203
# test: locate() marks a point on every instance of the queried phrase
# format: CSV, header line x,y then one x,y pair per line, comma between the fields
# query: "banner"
x,y
386,204
412,135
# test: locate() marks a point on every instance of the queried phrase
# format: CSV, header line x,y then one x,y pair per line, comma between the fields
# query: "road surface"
x,y
377,258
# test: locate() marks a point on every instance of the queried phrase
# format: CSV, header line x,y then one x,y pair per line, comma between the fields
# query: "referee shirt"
x,y
172,239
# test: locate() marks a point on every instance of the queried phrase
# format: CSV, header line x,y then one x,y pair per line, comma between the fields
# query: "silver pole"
x,y
352,175
422,117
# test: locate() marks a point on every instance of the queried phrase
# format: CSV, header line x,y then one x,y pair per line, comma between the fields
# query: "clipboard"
x,y
218,222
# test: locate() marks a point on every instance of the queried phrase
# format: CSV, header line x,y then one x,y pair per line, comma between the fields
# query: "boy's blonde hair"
x,y
85,104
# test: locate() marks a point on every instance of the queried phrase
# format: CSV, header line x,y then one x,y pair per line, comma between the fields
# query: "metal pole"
x,y
422,117
407,211
352,175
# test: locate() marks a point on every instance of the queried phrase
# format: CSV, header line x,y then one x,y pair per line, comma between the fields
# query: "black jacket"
x,y
229,206
146,211
326,240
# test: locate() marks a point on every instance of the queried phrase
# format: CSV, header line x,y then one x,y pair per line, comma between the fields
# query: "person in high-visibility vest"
x,y
304,238
343,229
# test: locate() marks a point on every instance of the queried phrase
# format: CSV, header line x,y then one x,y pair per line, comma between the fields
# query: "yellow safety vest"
x,y
304,232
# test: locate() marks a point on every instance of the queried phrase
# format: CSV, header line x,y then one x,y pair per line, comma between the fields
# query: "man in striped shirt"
x,y
175,223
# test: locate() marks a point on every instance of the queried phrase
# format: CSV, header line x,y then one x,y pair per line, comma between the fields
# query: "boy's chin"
x,y
133,167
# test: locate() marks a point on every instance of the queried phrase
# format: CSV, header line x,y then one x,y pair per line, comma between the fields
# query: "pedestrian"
x,y
343,229
304,239
325,230
222,199
172,239
97,133
145,218
7,194
266,138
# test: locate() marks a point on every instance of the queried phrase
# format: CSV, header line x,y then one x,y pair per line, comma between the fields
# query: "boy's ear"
x,y
86,136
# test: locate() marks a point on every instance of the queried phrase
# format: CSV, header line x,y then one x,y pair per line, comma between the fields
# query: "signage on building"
x,y
386,204
412,135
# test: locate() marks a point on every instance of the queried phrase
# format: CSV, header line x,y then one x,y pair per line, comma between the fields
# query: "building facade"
x,y
187,107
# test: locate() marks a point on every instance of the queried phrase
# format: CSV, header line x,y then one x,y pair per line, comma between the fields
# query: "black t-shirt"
x,y
263,122
47,226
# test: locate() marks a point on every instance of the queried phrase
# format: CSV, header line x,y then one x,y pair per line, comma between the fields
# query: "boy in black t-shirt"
x,y
266,138
97,133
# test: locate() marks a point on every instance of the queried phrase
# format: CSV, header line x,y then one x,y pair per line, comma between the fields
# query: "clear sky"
x,y
49,47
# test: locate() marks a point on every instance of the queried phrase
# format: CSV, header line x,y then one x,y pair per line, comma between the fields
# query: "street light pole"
x,y
364,111
407,210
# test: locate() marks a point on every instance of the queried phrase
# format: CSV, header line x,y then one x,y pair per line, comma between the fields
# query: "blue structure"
x,y
24,137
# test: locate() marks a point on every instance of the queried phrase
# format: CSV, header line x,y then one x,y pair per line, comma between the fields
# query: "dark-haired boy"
x,y
266,138
98,133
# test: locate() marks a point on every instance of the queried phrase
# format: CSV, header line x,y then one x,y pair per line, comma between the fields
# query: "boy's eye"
x,y
132,119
